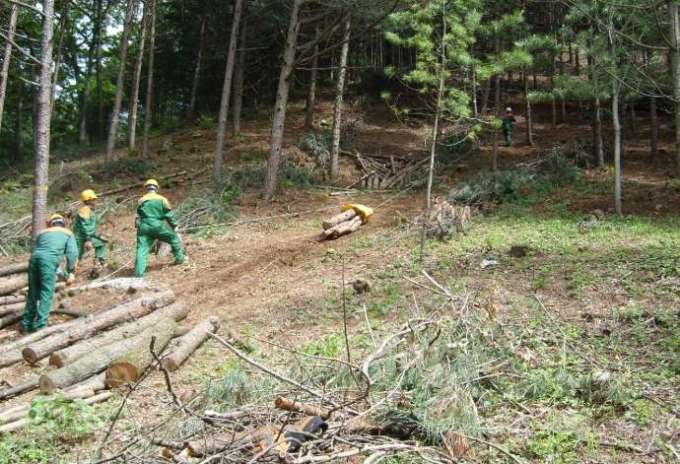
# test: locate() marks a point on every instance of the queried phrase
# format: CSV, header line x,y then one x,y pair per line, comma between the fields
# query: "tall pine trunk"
x,y
4,73
136,80
311,93
239,76
63,31
597,133
101,117
339,93
530,135
497,111
654,128
226,93
148,104
191,111
18,136
42,121
675,64
616,120
281,105
120,82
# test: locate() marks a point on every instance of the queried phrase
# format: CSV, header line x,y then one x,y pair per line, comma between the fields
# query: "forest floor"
x,y
591,295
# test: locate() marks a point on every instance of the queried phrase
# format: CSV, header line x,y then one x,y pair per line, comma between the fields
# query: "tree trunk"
x,y
577,57
654,129
120,82
4,73
339,92
98,70
311,94
226,94
42,123
18,136
239,76
485,97
14,269
675,64
11,318
63,31
530,135
136,80
175,311
11,353
191,111
131,362
338,219
281,105
189,343
617,148
11,299
89,326
597,133
148,105
497,110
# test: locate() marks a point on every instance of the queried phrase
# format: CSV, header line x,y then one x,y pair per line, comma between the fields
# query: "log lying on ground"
x,y
13,283
136,356
338,219
9,319
221,441
96,383
343,228
189,342
18,425
11,308
289,405
93,363
129,284
20,412
11,352
13,269
12,299
70,312
88,326
18,389
176,311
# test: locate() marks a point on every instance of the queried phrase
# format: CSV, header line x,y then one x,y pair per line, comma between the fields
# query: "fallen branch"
x,y
289,405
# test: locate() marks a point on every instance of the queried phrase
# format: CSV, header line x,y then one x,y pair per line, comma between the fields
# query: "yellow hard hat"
x,y
88,195
151,183
56,218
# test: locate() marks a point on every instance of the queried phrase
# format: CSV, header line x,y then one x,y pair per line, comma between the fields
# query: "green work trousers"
x,y
42,278
147,232
98,245
507,135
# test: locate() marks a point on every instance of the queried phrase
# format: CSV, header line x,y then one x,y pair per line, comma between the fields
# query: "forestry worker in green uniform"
x,y
153,212
85,228
51,246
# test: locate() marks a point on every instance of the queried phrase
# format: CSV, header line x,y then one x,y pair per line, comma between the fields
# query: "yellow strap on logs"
x,y
363,211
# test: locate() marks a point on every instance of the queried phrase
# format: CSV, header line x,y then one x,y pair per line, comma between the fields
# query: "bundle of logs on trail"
x,y
13,282
386,172
107,349
341,224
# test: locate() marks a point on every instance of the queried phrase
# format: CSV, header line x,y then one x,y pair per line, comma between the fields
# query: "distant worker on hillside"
x,y
153,211
507,126
85,229
51,246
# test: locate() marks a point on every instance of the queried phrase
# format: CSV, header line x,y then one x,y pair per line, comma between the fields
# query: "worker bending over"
x,y
153,211
85,229
51,246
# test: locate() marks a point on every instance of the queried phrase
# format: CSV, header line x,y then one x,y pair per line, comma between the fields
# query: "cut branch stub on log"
x,y
136,356
289,405
338,219
88,326
189,342
13,269
13,283
176,311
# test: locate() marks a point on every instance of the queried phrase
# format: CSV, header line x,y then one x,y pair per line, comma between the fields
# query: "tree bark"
x,y
226,93
16,268
18,136
11,299
343,228
148,105
131,362
311,93
281,105
654,128
9,319
599,143
63,31
4,73
13,283
530,135
675,64
497,110
98,70
239,77
120,82
175,311
338,219
42,123
617,147
339,93
136,80
191,111
189,343
89,326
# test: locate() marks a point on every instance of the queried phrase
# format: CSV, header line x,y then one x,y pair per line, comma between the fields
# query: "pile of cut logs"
x,y
386,172
341,224
13,282
106,349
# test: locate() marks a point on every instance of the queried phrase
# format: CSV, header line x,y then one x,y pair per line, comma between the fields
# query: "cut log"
x,y
13,269
11,352
340,218
189,342
12,299
136,357
88,326
9,319
18,389
128,284
176,311
91,364
11,308
289,405
220,441
96,383
343,228
12,284
70,312
20,412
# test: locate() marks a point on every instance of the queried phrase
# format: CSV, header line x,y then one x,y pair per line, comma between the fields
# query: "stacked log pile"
x,y
13,280
342,224
106,349
386,172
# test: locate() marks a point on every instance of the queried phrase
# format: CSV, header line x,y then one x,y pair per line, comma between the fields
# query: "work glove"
x,y
88,246
71,279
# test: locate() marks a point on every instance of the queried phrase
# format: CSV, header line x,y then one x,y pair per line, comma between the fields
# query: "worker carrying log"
x,y
153,212
85,229
51,246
